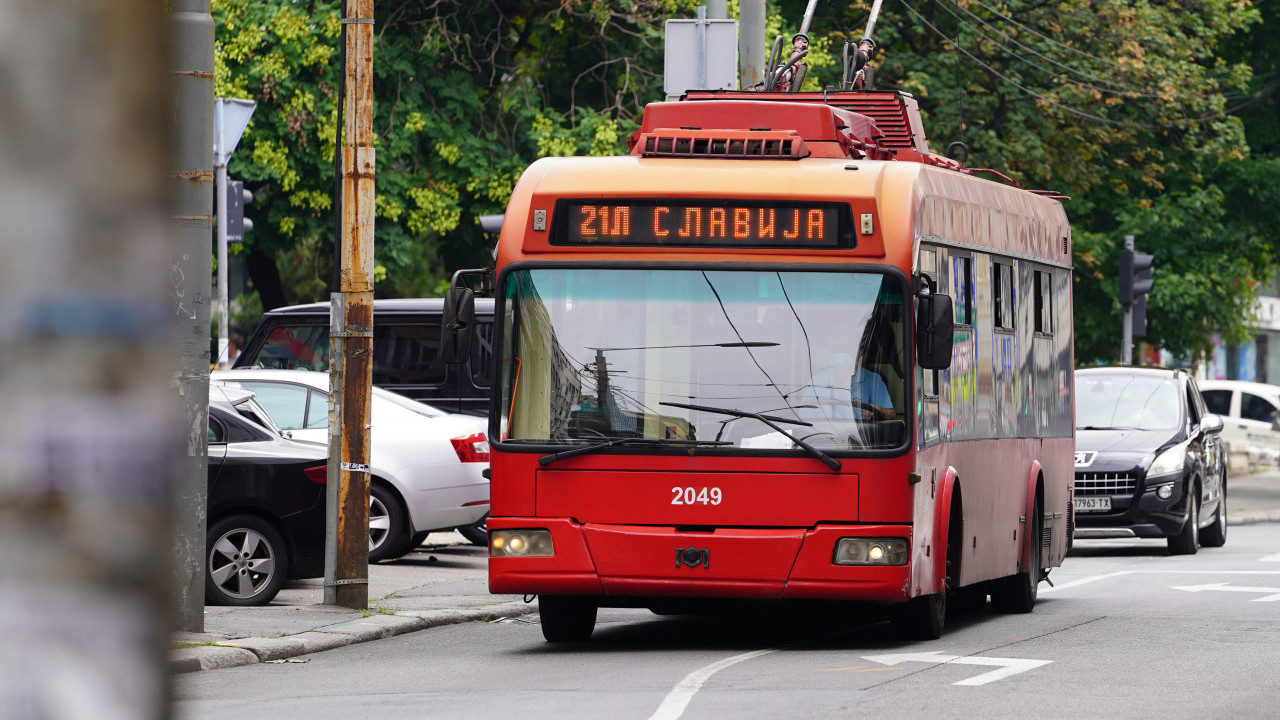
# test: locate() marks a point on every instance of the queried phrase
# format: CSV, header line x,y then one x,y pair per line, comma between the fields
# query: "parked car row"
x,y
268,451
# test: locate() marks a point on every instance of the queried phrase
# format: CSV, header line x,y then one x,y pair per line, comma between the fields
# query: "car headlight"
x,y
1170,461
521,543
870,551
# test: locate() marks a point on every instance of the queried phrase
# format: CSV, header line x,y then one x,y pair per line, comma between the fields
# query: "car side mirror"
x,y
1211,424
458,326
935,327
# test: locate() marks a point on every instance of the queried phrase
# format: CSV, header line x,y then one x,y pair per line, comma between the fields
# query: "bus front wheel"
x,y
566,618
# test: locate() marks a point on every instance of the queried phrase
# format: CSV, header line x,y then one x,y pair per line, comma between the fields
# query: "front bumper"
x,y
624,562
1138,514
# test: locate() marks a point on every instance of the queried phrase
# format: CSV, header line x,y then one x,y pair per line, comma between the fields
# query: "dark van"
x,y
406,346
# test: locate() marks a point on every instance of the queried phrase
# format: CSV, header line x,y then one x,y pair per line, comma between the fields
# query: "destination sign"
x,y
696,223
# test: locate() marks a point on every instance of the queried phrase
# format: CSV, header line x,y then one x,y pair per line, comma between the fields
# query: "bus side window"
x,y
1043,289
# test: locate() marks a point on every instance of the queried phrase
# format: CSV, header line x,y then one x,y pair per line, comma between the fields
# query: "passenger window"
x,y
216,432
285,403
294,347
1044,302
1193,410
482,354
318,410
1218,402
962,288
1003,296
407,354
1253,407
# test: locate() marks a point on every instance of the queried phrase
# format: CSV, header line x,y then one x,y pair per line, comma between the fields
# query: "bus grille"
x,y
1100,483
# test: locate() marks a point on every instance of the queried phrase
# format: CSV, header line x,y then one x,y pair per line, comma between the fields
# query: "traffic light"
x,y
1136,280
237,223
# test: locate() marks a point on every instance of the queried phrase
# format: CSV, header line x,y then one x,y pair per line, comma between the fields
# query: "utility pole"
x,y
346,574
191,89
751,43
90,289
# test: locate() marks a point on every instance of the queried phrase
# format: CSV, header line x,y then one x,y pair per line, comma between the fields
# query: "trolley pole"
x,y
346,575
92,297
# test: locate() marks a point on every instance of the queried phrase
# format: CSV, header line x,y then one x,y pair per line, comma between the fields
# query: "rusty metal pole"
x,y
93,428
346,579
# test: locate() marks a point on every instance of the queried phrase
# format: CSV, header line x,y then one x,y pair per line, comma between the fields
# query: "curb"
x,y
253,650
1252,518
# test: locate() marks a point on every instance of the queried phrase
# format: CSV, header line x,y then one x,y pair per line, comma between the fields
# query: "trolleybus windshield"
x,y
593,354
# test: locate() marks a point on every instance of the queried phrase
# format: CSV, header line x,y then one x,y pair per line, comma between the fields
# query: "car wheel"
x,y
1216,534
1017,593
246,562
566,618
388,538
477,533
1188,539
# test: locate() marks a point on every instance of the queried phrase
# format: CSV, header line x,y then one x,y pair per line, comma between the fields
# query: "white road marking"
x,y
1083,581
1273,593
674,703
1272,558
1006,666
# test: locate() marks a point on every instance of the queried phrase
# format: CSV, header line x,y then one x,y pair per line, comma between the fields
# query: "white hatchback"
x,y
428,466
1251,418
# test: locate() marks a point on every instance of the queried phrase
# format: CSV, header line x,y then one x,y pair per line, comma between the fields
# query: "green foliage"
x,y
1143,111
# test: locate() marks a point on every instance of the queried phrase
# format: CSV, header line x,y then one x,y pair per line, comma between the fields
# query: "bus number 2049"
x,y
694,496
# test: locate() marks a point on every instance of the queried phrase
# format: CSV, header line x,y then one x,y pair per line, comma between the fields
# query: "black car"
x,y
1149,459
266,504
406,343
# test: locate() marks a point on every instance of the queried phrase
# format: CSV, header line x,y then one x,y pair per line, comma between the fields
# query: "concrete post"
x,y
93,290
191,83
351,328
752,44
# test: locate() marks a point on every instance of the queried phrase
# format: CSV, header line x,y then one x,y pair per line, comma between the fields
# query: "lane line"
x,y
674,703
1083,581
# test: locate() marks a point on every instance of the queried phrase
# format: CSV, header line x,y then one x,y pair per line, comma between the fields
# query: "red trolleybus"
x,y
780,351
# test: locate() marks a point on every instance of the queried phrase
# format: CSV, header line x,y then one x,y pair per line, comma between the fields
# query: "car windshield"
x,y
1116,400
596,354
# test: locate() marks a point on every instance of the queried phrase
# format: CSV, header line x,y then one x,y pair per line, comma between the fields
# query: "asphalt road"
x,y
1128,632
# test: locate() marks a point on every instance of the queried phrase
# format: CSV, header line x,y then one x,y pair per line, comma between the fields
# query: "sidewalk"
x,y
445,582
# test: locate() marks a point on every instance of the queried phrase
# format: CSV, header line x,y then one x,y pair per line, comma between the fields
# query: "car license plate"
x,y
1093,504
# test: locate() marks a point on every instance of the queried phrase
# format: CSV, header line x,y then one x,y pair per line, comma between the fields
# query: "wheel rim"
x,y
379,523
242,563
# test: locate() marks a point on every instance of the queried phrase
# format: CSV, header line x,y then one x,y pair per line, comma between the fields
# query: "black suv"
x,y
406,345
1150,461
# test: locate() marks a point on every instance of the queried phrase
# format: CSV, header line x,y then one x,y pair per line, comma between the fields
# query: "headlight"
x,y
871,551
1170,461
521,543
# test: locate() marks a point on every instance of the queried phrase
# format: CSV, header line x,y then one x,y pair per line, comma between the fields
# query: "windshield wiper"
x,y
771,421
546,460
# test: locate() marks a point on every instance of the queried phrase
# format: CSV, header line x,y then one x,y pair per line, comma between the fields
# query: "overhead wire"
x,y
1051,101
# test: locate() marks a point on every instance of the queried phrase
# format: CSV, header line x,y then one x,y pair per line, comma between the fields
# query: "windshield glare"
x,y
1127,401
593,355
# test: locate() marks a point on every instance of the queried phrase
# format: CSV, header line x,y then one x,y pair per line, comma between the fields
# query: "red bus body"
x,y
989,440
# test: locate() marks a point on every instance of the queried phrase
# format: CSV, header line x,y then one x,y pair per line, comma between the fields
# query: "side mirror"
x,y
935,327
1211,424
458,327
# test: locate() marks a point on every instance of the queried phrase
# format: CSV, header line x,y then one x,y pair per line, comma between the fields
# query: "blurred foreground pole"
x,y
346,571
191,93
91,427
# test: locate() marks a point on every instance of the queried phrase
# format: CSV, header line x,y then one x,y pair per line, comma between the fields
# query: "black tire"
x,y
566,618
1017,593
477,533
1188,538
388,526
1216,534
246,562
921,618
